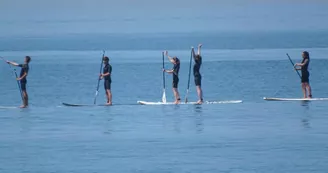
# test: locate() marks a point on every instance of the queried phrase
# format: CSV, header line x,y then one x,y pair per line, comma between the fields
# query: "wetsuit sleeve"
x,y
110,69
20,65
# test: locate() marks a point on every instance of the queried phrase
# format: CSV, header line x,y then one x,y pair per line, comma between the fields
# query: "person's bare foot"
x,y
109,103
177,102
310,96
199,102
23,106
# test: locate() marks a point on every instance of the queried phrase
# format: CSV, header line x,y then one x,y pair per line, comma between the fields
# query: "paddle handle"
x,y
293,65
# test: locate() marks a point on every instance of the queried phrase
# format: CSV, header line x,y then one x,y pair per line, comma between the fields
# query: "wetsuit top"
x,y
304,69
108,69
176,69
24,70
198,63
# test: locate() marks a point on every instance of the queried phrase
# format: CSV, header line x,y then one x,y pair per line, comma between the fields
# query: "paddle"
x,y
101,66
164,96
14,70
190,62
293,65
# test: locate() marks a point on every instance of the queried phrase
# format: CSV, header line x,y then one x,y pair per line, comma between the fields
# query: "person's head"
x,y
27,59
197,57
305,54
105,60
176,60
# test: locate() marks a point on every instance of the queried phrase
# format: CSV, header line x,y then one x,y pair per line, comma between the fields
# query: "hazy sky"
x,y
48,17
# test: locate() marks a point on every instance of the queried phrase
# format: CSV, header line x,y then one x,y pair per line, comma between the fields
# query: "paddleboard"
x,y
8,107
76,105
295,99
188,103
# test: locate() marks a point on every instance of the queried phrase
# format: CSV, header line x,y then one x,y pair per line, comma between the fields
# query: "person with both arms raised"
x,y
197,75
175,73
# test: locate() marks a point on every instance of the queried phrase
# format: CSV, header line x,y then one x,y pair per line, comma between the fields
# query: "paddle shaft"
x,y
293,65
163,71
101,66
190,62
18,82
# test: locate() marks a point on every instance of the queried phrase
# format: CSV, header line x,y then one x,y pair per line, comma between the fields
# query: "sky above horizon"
x,y
48,17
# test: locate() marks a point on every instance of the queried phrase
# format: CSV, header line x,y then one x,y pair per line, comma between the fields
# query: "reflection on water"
x,y
306,116
199,119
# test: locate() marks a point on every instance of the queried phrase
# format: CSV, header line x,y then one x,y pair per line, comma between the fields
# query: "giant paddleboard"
x,y
188,103
295,99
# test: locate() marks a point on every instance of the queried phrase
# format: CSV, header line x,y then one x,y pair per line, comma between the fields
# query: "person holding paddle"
x,y
22,79
305,74
175,72
106,75
197,76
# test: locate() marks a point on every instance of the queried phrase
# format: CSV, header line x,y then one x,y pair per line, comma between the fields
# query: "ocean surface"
x,y
253,136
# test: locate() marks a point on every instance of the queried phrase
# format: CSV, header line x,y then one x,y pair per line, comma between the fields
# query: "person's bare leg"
x,y
109,97
25,100
200,94
176,95
304,90
308,87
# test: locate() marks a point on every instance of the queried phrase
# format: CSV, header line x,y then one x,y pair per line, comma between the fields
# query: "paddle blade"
x,y
164,97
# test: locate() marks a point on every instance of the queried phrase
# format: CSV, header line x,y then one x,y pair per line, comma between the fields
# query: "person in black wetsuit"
x,y
22,78
175,73
305,74
197,75
106,75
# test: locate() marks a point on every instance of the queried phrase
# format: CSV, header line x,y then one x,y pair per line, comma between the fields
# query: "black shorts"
x,y
107,84
175,83
23,86
305,77
198,80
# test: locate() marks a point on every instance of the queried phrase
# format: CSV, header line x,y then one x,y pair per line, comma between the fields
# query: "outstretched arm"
x,y
199,47
12,63
170,58
168,71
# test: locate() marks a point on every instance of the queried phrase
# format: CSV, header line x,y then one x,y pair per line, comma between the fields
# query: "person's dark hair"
x,y
176,60
306,53
28,59
106,59
198,57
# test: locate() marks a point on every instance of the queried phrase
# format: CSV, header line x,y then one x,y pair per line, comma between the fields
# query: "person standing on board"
x,y
305,74
197,75
22,78
175,72
106,75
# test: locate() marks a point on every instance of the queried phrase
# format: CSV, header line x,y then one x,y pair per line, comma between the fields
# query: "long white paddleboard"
x,y
8,107
295,99
188,103
77,105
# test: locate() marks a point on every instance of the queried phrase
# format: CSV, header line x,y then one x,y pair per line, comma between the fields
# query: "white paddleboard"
x,y
295,99
188,103
8,107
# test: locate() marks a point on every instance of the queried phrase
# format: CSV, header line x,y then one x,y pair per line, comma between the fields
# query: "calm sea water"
x,y
254,136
